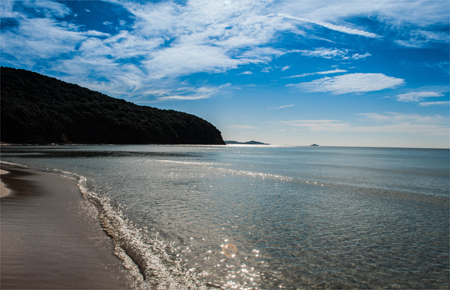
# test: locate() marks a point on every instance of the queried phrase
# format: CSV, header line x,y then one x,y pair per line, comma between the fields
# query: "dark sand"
x,y
51,238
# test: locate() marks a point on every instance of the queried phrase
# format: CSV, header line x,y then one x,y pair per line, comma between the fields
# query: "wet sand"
x,y
3,190
51,238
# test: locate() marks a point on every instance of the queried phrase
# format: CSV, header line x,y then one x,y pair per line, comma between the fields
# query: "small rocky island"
x,y
247,143
37,109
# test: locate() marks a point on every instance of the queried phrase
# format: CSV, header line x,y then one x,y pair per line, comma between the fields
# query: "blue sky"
x,y
343,73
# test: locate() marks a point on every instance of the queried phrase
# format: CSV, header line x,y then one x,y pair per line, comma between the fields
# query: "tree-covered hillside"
x,y
37,109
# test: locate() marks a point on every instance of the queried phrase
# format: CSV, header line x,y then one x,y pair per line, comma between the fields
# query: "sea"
x,y
265,217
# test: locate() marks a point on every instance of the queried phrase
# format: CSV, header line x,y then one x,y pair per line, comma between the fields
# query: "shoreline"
x,y
4,191
51,237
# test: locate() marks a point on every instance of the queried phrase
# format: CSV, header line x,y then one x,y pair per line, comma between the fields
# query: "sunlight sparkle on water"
x,y
229,250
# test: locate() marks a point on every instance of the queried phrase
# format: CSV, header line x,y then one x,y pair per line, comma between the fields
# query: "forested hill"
x,y
37,109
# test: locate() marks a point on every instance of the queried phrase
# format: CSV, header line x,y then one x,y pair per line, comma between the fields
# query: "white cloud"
x,y
246,73
6,9
30,44
399,17
244,127
331,26
416,96
285,106
400,117
396,13
96,33
178,97
285,67
170,40
192,93
421,38
427,104
384,123
351,83
182,60
360,56
329,53
317,73
444,65
182,93
44,7
318,125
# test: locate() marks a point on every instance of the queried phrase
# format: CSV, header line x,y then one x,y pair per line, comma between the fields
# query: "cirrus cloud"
x,y
351,83
174,39
387,122
416,96
335,71
427,104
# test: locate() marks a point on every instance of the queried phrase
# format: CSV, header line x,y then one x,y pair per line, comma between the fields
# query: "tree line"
x,y
36,109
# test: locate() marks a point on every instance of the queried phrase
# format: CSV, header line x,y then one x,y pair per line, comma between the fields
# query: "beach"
x,y
51,237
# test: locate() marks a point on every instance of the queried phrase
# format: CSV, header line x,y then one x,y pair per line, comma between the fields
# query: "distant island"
x,y
36,109
313,145
246,143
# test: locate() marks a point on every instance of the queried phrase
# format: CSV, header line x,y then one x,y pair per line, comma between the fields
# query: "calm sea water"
x,y
263,217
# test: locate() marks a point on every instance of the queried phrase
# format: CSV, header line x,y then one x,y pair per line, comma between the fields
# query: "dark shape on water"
x,y
313,145
247,143
37,109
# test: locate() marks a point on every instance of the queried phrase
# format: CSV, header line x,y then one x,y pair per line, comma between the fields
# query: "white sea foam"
x,y
143,252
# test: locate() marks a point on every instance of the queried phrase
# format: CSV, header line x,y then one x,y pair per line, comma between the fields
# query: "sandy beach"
x,y
4,191
51,238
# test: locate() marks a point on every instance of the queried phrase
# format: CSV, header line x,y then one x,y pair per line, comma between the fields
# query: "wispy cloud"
x,y
285,68
444,65
350,83
427,104
401,117
284,107
390,122
319,125
333,53
317,73
168,40
334,27
205,36
421,38
395,13
246,73
360,56
190,93
244,127
416,96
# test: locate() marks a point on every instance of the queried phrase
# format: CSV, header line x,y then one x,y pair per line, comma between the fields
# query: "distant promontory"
x,y
37,109
246,143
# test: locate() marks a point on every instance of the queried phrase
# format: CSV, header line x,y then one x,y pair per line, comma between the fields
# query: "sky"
x,y
336,73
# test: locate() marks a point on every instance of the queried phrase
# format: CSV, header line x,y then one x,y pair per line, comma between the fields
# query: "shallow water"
x,y
299,217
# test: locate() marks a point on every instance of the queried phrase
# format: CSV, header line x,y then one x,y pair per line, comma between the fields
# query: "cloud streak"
x,y
334,27
427,104
416,96
335,71
329,53
383,123
244,127
350,83
284,107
